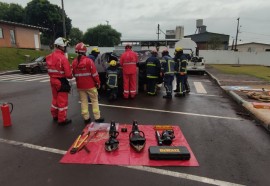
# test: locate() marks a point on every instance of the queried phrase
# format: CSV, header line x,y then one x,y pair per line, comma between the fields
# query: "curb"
x,y
259,115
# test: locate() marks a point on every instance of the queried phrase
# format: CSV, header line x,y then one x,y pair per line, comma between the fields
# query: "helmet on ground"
x,y
60,41
128,46
154,51
80,48
96,50
112,63
178,49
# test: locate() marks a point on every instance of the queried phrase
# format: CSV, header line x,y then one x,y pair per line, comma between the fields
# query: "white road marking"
x,y
199,88
171,112
207,95
141,168
34,79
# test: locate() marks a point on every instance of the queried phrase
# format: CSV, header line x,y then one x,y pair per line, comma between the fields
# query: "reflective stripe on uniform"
x,y
55,71
129,63
95,110
60,109
82,74
153,65
151,77
95,74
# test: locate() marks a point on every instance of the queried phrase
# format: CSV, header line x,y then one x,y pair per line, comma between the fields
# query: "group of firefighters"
x,y
88,80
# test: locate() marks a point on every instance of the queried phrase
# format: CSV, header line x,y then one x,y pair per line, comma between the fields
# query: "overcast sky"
x,y
138,19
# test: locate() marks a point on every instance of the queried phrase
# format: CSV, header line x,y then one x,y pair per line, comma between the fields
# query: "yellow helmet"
x,y
95,50
178,49
112,63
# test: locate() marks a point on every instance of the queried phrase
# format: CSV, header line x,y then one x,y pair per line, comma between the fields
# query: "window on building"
x,y
1,33
12,37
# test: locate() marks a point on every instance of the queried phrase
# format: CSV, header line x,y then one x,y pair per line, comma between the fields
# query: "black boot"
x,y
87,121
167,96
66,122
100,120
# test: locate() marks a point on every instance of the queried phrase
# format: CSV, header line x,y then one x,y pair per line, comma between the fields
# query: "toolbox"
x,y
168,153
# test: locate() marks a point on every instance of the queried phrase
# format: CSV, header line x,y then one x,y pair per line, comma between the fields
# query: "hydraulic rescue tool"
x,y
166,137
112,143
80,143
136,138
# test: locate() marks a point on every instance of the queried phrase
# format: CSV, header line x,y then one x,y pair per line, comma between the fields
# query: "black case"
x,y
168,153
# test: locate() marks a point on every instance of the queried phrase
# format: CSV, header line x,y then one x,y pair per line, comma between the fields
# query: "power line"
x,y
255,33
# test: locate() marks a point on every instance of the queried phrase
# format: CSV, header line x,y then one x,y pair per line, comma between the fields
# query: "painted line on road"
x,y
199,88
31,146
171,112
207,95
141,168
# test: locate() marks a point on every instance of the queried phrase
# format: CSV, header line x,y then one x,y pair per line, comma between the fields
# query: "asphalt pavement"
x,y
237,86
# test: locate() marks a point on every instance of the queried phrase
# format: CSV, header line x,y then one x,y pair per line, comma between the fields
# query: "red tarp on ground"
x,y
125,155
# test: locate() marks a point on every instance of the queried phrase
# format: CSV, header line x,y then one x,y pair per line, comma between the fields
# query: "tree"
x,y
102,35
11,12
75,36
44,14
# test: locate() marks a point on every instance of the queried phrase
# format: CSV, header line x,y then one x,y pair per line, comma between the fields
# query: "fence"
x,y
231,57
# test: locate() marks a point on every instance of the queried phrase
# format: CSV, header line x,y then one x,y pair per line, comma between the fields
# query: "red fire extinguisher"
x,y
6,111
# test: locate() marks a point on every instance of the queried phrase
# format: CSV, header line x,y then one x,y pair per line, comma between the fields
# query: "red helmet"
x,y
80,48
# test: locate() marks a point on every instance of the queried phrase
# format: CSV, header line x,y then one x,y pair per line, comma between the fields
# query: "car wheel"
x,y
36,70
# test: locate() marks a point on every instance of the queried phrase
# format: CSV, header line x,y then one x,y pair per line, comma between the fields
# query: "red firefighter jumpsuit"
x,y
87,80
128,61
58,67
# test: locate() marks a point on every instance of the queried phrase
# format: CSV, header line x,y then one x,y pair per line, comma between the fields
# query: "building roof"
x,y
206,36
23,25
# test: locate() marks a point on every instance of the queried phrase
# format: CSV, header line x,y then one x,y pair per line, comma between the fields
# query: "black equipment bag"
x,y
65,86
168,153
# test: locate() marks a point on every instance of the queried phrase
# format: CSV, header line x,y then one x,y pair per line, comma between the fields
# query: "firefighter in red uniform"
x,y
59,70
128,62
87,80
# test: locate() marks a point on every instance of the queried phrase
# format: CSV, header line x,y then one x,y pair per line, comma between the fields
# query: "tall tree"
x,y
102,35
44,14
75,36
11,12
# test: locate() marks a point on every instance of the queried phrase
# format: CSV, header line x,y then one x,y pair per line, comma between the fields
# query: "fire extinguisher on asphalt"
x,y
6,111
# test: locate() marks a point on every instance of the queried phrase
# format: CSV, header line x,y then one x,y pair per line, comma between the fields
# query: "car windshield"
x,y
39,59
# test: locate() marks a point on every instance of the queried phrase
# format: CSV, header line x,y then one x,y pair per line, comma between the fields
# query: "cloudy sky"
x,y
139,19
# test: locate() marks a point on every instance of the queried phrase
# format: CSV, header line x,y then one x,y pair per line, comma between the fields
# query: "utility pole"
x,y
63,18
235,48
158,32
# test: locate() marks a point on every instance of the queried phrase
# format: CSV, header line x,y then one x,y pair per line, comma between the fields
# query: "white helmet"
x,y
60,41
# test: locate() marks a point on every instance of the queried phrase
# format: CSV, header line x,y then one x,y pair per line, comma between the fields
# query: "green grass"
x,y
258,71
10,58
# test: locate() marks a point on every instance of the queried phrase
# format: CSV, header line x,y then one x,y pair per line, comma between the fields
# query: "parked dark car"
x,y
37,65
